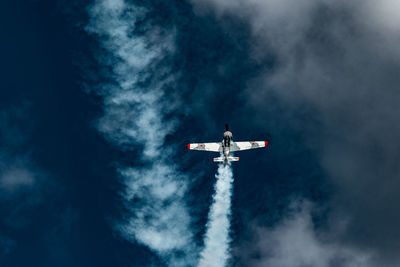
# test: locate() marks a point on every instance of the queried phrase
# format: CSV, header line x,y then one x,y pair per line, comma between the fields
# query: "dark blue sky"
x,y
315,80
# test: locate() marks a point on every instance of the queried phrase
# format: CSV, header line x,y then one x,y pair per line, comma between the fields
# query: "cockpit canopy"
x,y
227,138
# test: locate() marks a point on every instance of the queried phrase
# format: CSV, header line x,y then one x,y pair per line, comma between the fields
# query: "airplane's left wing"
x,y
238,146
214,147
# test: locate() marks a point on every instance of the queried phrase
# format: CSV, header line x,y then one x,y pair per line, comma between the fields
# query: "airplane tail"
x,y
222,159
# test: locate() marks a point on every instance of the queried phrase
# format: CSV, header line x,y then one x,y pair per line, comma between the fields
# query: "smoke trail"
x,y
216,241
135,116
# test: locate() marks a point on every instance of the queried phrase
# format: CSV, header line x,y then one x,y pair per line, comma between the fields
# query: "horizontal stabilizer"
x,y
219,159
222,159
233,158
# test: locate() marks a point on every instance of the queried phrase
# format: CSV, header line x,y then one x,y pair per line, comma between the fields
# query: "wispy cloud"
x,y
21,179
296,242
135,110
14,178
17,170
340,60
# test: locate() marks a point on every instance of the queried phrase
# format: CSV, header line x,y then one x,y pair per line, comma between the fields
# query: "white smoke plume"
x,y
134,116
217,241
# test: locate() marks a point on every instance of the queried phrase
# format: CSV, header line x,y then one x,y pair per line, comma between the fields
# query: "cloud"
x,y
17,171
159,220
136,118
296,242
20,178
15,178
336,62
384,14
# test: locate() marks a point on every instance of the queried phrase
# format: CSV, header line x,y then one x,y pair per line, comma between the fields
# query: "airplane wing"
x,y
214,147
238,146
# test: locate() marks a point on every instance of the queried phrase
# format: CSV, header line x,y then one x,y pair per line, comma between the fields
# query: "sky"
x,y
99,99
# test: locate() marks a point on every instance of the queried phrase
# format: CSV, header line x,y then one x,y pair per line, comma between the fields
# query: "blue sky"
x,y
99,99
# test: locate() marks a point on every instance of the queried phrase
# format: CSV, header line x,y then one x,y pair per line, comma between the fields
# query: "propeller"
x,y
226,127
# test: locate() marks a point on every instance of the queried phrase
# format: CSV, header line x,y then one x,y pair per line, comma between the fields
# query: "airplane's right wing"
x,y
214,147
238,146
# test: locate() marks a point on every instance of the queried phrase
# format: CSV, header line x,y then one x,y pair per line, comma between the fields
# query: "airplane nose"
x,y
227,134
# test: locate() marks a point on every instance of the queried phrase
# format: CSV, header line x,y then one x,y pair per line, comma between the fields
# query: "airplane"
x,y
226,146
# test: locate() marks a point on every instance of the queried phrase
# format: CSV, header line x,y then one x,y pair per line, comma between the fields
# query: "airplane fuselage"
x,y
226,145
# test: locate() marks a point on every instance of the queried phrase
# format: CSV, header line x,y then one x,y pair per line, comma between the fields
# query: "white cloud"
x,y
17,169
13,179
134,118
296,243
386,13
336,63
160,220
20,178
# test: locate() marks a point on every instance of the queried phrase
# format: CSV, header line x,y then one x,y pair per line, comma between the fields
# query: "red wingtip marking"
x,y
238,158
188,146
266,143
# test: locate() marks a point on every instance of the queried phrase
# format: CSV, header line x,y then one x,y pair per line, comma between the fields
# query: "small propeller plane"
x,y
227,146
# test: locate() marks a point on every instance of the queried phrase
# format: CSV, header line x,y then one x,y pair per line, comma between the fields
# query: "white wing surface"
x,y
214,147
239,146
